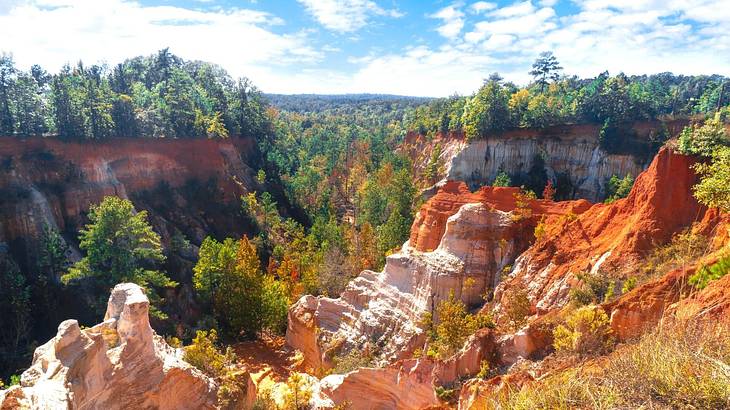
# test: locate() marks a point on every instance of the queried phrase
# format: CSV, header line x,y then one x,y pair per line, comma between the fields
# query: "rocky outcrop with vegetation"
x,y
119,363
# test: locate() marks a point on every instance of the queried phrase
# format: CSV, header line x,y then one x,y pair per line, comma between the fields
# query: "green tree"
x,y
244,300
53,257
7,83
705,139
618,188
502,179
713,190
545,69
120,246
488,110
15,313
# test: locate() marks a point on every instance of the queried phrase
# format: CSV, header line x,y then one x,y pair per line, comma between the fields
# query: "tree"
x,y
7,73
713,190
53,258
244,300
502,179
618,188
704,140
549,191
15,319
120,246
488,110
545,69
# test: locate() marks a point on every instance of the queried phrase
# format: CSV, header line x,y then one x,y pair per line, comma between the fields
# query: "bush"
x,y
593,289
205,356
299,392
517,306
683,250
707,274
714,187
618,188
586,331
703,140
353,360
455,325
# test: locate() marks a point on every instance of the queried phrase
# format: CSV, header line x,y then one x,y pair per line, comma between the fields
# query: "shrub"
x,y
446,394
703,139
502,180
353,360
628,285
684,249
617,188
517,306
707,274
593,289
714,187
299,392
205,356
586,331
455,325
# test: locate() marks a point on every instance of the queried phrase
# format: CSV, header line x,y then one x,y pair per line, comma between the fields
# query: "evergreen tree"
x,y
120,246
7,83
545,69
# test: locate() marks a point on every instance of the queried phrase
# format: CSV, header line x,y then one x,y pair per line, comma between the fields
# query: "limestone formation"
x,y
117,364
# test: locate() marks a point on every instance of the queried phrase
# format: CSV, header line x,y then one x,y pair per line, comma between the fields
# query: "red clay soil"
x,y
139,163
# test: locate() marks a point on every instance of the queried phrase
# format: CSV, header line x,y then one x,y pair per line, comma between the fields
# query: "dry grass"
x,y
679,366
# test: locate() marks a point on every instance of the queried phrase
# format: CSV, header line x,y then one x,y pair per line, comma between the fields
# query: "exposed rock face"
x,y
408,384
460,242
385,308
609,238
576,156
118,364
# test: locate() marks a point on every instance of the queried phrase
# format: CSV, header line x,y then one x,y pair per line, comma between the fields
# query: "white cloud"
x,y
453,21
633,36
54,32
345,16
482,6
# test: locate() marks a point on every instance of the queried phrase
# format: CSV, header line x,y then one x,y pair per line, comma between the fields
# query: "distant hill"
x,y
324,102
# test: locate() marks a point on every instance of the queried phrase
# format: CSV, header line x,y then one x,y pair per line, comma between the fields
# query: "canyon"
x,y
477,245
483,243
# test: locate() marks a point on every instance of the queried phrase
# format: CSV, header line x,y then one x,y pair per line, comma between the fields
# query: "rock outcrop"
x,y
118,364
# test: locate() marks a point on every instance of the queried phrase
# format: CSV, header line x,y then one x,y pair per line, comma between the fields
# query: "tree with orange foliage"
x,y
549,191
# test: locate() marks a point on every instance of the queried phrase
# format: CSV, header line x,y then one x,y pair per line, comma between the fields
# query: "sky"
x,y
407,47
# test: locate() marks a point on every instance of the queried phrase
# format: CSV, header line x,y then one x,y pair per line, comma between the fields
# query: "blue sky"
x,y
429,48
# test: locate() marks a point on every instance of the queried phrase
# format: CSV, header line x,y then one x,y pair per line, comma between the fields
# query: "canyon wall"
x,y
46,181
572,156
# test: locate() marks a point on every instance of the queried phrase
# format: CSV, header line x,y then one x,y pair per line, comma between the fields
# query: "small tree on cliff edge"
x,y
120,246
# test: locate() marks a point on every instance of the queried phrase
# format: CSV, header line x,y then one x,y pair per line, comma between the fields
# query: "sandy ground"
x,y
268,360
